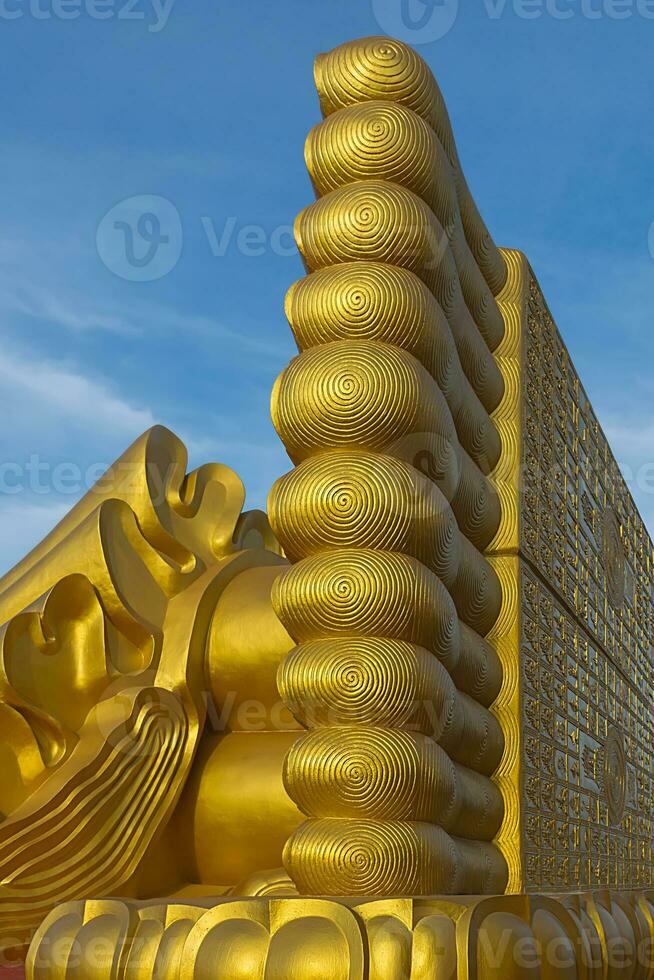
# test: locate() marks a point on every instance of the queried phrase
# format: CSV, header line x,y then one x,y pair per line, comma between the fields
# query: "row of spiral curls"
x,y
386,415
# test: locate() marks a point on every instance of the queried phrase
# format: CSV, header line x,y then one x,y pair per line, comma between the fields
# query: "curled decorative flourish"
x,y
476,505
389,775
377,221
478,435
481,806
477,591
379,594
364,300
372,301
505,637
371,772
376,68
367,681
507,475
483,868
358,394
176,525
370,857
362,500
479,670
472,736
387,141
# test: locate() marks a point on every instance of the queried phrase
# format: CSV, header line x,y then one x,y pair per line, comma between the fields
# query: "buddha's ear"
x,y
91,822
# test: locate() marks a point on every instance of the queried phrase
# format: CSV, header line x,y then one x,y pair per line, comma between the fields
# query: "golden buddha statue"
x,y
401,727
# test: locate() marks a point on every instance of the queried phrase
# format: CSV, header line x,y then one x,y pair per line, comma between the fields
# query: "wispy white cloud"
x,y
211,328
35,283
27,290
54,413
69,312
47,393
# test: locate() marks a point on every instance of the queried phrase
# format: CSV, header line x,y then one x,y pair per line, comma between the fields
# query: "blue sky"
x,y
206,104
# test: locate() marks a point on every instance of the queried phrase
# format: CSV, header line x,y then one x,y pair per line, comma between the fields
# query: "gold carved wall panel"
x,y
575,563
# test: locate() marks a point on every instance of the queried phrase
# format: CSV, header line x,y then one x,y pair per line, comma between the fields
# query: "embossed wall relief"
x,y
587,755
581,528
581,634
